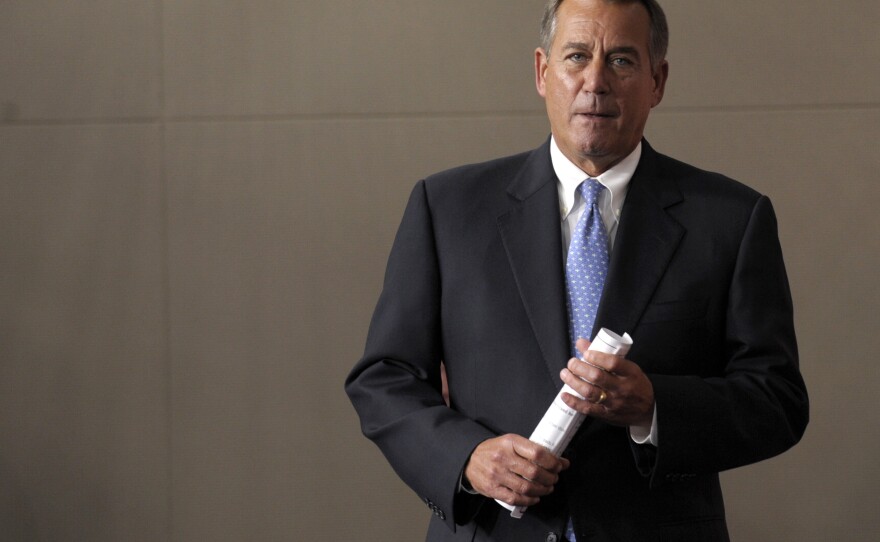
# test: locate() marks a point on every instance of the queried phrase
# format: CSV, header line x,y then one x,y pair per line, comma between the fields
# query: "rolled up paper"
x,y
560,422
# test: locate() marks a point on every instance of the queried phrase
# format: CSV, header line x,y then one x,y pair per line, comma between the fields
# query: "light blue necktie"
x,y
585,272
587,265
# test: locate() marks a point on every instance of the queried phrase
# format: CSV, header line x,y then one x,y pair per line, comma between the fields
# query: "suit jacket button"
x,y
552,537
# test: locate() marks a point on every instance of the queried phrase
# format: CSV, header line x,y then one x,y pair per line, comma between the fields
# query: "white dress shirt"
x,y
572,206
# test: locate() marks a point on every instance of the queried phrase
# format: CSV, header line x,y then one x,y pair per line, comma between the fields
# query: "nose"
x,y
596,78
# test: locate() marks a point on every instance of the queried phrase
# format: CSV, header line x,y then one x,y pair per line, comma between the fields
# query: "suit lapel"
x,y
646,241
647,237
532,238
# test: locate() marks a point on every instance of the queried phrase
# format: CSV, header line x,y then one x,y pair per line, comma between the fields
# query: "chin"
x,y
593,150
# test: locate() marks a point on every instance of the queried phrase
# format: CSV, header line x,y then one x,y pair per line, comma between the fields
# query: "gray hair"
x,y
659,28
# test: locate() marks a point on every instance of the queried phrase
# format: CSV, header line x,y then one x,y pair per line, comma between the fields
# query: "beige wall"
x,y
198,198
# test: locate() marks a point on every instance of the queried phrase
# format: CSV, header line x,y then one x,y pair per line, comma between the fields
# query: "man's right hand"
x,y
513,469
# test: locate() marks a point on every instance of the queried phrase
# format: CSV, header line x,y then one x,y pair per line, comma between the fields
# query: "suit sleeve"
x,y
396,386
758,407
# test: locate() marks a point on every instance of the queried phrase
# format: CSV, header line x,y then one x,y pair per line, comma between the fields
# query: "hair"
x,y
659,28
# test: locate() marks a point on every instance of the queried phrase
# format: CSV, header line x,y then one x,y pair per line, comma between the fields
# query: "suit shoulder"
x,y
694,181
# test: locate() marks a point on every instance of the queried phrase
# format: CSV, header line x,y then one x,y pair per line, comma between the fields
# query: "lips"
x,y
598,114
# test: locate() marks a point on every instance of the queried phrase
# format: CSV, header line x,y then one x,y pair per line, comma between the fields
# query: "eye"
x,y
577,57
621,62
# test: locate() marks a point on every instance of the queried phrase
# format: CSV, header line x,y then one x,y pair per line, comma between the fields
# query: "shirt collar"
x,y
616,179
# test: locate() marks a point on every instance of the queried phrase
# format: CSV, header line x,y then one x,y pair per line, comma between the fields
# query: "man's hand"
x,y
628,394
513,469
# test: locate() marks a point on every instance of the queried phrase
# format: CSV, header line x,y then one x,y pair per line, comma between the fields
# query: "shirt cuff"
x,y
464,486
641,434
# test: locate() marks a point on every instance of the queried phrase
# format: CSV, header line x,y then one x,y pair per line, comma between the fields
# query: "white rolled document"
x,y
560,423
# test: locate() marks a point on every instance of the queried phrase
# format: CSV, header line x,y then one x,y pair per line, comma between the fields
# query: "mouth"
x,y
597,115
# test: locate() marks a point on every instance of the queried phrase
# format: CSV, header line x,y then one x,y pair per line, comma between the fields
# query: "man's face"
x,y
597,81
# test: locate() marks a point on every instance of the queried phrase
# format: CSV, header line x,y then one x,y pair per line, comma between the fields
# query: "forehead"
x,y
617,23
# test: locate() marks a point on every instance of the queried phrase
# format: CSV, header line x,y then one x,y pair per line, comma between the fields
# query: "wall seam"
x,y
166,267
166,120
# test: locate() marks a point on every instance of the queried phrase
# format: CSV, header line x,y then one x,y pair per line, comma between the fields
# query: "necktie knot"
x,y
590,190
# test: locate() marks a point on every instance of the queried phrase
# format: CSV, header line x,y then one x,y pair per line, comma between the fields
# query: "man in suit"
x,y
477,281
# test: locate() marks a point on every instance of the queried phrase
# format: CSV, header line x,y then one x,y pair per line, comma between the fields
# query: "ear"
x,y
541,60
660,77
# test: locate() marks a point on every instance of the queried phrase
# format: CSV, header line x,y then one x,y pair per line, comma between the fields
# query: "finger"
x,y
536,474
513,469
521,477
539,455
527,487
551,463
505,494
587,407
600,360
598,364
581,405
598,396
589,372
604,362
500,482
610,364
589,391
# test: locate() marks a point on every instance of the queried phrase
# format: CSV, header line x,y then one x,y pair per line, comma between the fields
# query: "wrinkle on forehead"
x,y
583,29
582,23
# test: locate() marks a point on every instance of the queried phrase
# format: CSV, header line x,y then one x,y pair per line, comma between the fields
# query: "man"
x,y
484,278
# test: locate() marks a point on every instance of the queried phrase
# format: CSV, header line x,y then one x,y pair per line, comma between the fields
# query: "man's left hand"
x,y
616,389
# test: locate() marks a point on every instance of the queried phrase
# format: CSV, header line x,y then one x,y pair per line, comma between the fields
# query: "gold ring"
x,y
602,397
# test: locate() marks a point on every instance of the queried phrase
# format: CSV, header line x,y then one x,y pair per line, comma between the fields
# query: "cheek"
x,y
560,98
560,84
563,96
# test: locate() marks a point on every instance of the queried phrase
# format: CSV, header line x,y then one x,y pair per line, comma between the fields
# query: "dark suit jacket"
x,y
475,279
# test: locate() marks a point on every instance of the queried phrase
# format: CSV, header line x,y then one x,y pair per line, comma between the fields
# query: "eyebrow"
x,y
581,46
575,45
626,49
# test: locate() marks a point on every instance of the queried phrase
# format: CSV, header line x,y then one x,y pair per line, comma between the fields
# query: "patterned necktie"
x,y
587,265
585,272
